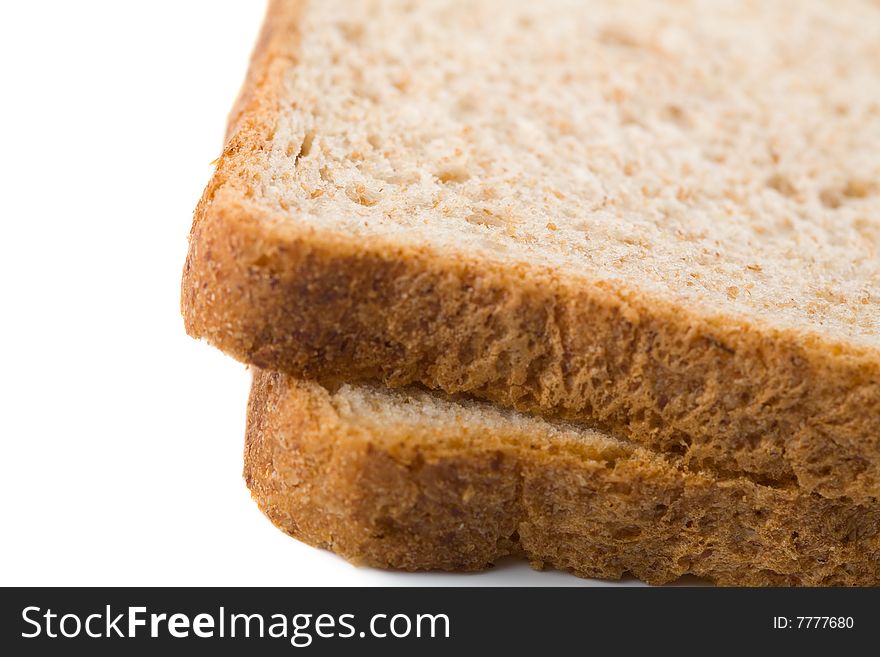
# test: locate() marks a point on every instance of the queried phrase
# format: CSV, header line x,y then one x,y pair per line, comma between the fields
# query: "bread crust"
x,y
397,500
726,393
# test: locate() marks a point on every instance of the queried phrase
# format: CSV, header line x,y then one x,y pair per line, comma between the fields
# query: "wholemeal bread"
x,y
659,218
408,479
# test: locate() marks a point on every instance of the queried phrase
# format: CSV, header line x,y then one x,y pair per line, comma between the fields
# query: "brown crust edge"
x,y
729,396
396,501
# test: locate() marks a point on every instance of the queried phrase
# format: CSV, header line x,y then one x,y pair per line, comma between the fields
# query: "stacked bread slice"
x,y
597,283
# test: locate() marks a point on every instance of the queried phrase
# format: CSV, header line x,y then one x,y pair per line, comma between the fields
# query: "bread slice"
x,y
410,479
661,218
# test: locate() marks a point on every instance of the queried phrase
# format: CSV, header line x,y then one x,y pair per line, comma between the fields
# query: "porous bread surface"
x,y
725,154
416,412
660,218
406,479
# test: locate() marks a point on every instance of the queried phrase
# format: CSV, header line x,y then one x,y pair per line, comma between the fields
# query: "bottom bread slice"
x,y
410,480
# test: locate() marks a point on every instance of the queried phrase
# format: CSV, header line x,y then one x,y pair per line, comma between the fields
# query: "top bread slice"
x,y
661,218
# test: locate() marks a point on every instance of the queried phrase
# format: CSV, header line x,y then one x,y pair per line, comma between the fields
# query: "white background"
x,y
121,437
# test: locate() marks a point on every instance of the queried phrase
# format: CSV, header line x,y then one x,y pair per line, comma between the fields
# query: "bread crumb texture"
x,y
727,154
409,480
